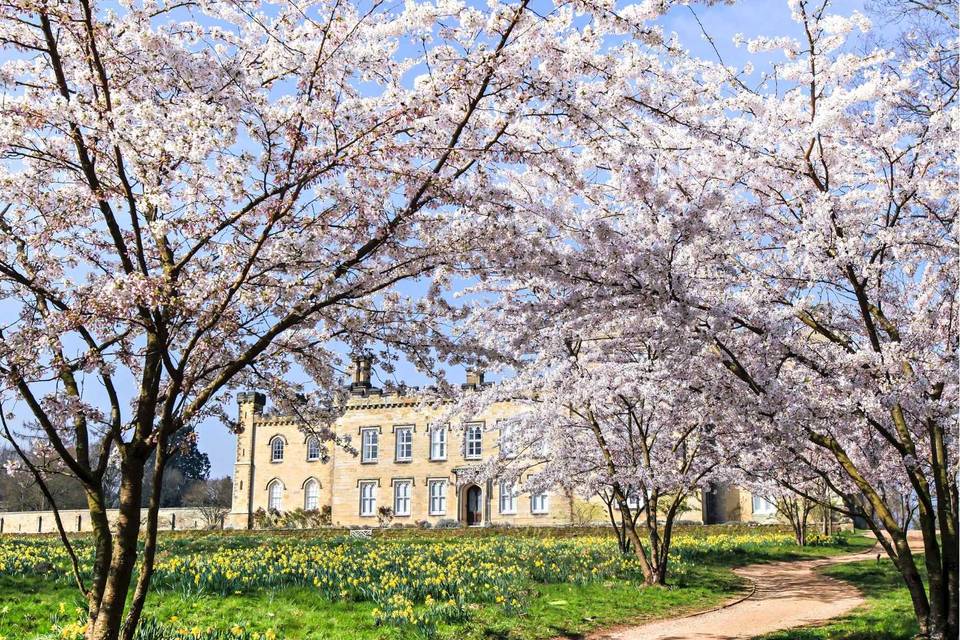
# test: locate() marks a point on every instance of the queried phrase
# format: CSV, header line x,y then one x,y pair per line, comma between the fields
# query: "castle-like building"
x,y
402,461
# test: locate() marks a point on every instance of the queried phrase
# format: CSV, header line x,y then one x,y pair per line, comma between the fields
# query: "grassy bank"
x,y
527,585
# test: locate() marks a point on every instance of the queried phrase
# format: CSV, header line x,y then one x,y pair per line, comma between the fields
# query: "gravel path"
x,y
787,595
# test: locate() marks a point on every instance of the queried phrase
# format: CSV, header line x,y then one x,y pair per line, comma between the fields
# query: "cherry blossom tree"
x,y
797,220
606,411
196,197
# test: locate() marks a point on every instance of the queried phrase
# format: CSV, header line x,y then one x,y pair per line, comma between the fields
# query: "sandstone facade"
x,y
399,462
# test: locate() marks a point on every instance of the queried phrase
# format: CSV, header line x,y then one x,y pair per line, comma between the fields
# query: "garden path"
x,y
787,595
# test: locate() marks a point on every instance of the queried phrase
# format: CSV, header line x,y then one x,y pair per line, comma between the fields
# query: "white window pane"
x,y
508,498
401,498
313,449
539,503
404,444
275,496
276,449
371,445
311,495
763,506
438,443
438,497
474,441
368,498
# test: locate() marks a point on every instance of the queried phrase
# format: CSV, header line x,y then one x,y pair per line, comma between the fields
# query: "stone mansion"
x,y
403,463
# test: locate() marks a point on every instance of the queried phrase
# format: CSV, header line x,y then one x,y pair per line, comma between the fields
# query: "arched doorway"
x,y
473,503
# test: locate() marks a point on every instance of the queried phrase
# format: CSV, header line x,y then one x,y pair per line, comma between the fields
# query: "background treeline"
x,y
186,483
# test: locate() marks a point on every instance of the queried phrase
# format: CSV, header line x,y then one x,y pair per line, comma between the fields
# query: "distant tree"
x,y
212,498
216,491
20,491
186,465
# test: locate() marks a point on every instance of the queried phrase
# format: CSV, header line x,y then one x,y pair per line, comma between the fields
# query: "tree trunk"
x,y
102,551
899,551
107,624
150,546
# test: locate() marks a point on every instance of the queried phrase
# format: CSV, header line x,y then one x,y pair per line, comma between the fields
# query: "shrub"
x,y
384,516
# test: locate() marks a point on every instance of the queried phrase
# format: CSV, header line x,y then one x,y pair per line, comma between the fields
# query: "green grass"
x,y
569,611
886,615
553,610
33,606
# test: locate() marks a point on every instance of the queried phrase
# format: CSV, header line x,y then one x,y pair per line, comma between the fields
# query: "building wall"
x,y
78,520
341,474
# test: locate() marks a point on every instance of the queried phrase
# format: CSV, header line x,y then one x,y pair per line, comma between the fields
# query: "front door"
x,y
474,510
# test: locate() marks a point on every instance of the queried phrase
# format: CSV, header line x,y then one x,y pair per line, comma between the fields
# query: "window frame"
x,y
441,497
313,441
375,445
397,431
769,510
545,508
507,491
275,483
274,441
372,485
438,437
408,498
311,482
470,429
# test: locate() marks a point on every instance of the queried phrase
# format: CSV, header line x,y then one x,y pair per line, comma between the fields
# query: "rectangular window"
x,y
539,503
633,501
508,498
368,498
438,443
404,452
401,497
763,507
473,447
370,448
508,439
313,449
438,497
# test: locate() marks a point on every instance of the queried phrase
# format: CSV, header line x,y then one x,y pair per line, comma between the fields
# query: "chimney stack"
x,y
361,374
474,378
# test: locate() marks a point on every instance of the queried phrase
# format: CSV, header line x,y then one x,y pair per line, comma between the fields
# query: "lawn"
x,y
886,615
519,584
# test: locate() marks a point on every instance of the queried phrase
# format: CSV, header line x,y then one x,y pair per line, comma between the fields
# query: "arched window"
x,y
275,495
276,449
313,448
311,495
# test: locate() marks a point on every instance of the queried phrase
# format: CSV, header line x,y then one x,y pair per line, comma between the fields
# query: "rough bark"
x,y
149,547
107,622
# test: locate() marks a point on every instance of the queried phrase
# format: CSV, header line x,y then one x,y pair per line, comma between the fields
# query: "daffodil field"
x,y
415,585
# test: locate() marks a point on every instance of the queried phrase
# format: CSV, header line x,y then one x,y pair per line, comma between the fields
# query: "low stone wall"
x,y
78,520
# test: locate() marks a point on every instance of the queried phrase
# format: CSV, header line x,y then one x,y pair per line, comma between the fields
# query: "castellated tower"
x,y
250,407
